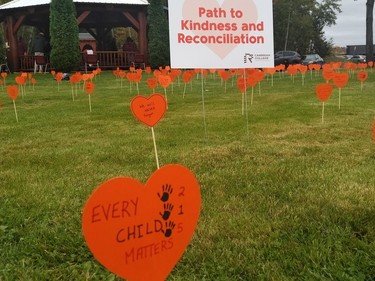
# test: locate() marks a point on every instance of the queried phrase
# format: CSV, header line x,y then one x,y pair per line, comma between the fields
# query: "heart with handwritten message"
x,y
227,15
149,110
139,232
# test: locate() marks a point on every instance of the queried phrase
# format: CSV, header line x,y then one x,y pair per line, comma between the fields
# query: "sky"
x,y
350,28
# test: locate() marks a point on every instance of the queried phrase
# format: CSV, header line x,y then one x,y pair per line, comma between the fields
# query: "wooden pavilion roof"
x,y
96,16
15,4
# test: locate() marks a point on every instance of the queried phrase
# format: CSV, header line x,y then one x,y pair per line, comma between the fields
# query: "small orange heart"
x,y
89,87
323,91
362,76
224,74
20,80
149,110
139,232
59,76
164,80
328,74
341,79
241,84
152,82
12,91
187,76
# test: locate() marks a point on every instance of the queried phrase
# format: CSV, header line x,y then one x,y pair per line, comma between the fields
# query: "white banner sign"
x,y
221,33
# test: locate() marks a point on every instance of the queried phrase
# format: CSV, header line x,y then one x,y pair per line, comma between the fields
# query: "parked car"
x,y
287,57
312,59
358,58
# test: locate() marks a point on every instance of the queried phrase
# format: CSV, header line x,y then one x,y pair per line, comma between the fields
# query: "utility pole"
x,y
369,30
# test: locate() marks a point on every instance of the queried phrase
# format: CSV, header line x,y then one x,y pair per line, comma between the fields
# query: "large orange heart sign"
x,y
149,110
139,232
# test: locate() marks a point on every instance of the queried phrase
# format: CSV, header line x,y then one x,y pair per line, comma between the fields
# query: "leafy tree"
x,y
65,54
299,24
158,34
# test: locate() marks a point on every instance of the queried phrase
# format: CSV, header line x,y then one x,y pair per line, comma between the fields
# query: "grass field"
x,y
284,196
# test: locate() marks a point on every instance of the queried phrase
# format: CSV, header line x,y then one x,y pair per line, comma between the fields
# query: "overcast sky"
x,y
350,28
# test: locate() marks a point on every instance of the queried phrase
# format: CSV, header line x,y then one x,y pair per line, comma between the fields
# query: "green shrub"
x,y
65,52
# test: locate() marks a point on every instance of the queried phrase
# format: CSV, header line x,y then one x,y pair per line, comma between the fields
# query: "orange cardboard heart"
x,y
149,110
340,79
164,81
362,76
12,91
140,232
323,91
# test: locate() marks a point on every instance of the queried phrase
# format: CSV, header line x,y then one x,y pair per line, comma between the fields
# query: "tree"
x,y
158,34
299,24
65,53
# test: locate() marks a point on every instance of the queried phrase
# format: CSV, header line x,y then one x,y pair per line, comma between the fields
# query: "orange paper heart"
x,y
139,232
362,76
340,79
164,80
241,84
152,82
187,76
20,80
323,91
149,110
12,91
89,87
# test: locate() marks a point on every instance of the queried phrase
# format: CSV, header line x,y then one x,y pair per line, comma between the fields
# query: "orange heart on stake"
x,y
362,76
341,79
89,87
149,110
152,82
164,80
20,80
139,232
12,91
241,84
323,91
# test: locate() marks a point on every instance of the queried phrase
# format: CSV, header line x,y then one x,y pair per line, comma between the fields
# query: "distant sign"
x,y
221,33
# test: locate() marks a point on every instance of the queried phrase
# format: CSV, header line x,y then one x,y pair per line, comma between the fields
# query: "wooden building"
x,y
97,17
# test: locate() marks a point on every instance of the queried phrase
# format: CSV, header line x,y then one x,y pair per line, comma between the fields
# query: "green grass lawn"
x,y
284,196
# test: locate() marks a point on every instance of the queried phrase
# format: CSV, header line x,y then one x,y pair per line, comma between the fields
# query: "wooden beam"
x,y
18,23
131,19
12,40
82,17
142,34
92,33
